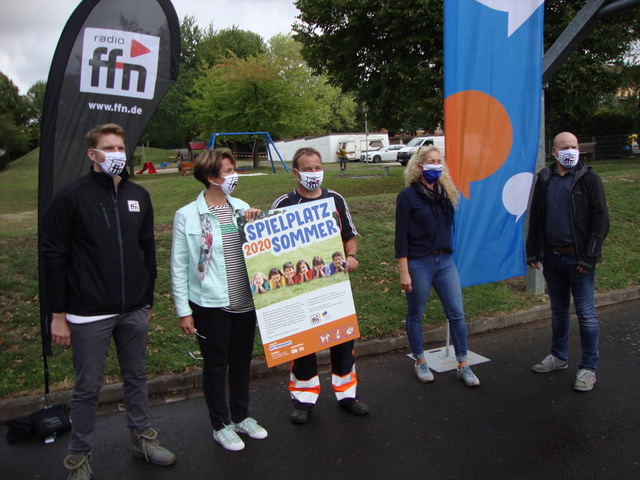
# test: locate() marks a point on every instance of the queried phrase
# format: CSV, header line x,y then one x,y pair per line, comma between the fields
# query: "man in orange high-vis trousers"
x,y
304,383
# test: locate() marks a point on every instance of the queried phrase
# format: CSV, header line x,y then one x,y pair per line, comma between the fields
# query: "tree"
x,y
239,95
332,110
593,73
34,102
11,102
216,45
172,125
274,92
389,55
14,140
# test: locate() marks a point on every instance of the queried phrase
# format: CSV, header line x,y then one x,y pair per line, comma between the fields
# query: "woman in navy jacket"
x,y
424,221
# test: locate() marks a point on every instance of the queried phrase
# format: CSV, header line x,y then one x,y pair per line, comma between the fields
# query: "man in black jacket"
x,y
567,225
98,253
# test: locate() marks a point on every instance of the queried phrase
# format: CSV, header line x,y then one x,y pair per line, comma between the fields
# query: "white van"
x,y
404,154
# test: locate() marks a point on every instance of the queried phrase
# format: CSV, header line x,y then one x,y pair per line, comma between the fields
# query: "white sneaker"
x,y
549,364
585,379
228,438
467,376
251,428
423,372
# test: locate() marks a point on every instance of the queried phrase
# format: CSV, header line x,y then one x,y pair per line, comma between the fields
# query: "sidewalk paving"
x,y
172,388
517,425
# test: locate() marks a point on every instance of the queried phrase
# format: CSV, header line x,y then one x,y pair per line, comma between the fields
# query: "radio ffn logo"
x,y
97,62
116,62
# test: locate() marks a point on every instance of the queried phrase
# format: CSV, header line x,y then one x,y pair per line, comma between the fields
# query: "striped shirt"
x,y
347,227
240,298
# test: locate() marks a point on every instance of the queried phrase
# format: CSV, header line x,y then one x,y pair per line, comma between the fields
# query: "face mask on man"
x,y
310,180
431,172
229,183
114,162
568,158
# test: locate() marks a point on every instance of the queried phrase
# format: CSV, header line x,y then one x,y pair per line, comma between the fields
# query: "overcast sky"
x,y
30,29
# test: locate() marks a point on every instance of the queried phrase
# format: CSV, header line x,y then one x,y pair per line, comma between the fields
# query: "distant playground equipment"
x,y
186,162
185,166
147,167
271,147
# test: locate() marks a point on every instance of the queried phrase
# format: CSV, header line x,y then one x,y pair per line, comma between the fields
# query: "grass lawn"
x,y
378,299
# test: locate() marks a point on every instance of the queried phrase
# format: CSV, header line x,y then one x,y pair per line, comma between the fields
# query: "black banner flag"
x,y
114,62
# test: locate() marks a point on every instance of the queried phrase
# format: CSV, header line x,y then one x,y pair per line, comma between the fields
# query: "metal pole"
x,y
447,341
534,280
365,109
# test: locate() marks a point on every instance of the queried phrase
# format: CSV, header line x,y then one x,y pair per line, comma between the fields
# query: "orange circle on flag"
x,y
479,136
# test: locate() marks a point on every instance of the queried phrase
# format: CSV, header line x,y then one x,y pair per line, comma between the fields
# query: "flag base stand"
x,y
443,359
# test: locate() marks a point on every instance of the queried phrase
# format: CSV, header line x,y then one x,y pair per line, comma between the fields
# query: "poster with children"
x,y
301,291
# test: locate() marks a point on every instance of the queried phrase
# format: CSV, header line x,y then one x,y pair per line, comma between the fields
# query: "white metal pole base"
x,y
443,359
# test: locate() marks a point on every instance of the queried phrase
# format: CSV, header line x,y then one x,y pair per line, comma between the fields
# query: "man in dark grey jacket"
x,y
98,254
567,225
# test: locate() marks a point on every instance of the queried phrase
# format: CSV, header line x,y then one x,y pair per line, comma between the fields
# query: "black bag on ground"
x,y
50,420
42,424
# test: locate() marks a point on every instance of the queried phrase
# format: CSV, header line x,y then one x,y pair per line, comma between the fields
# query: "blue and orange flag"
x,y
493,90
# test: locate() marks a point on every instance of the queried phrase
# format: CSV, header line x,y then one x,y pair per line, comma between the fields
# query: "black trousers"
x,y
227,348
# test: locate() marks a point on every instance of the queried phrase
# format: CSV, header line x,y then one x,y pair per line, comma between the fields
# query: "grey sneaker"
x,y
251,428
585,379
549,364
145,445
228,438
79,466
423,372
467,376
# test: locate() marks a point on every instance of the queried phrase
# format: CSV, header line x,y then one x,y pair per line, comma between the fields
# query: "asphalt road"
x,y
516,425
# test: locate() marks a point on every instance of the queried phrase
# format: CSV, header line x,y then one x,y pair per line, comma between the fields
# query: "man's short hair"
x,y
208,163
304,151
93,135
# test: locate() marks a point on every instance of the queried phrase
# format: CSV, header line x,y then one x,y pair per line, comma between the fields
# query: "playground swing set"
x,y
195,148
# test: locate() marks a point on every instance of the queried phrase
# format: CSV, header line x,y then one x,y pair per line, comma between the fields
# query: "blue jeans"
x,y
564,280
440,272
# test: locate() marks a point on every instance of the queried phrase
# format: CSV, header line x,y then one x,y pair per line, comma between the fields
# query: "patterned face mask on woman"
x,y
229,183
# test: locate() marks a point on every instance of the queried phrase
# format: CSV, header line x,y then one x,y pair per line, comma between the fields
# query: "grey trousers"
x,y
90,345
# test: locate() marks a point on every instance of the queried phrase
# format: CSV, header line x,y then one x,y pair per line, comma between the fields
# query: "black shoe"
x,y
299,417
357,407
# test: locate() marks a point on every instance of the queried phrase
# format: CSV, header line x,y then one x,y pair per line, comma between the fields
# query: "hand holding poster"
x,y
301,292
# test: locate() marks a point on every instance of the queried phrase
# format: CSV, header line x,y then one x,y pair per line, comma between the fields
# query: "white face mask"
x,y
310,180
568,158
229,183
114,162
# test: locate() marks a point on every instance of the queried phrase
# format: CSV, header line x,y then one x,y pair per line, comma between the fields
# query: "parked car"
x,y
404,154
384,154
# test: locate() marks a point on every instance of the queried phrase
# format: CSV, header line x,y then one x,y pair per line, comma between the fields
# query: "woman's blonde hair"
x,y
413,172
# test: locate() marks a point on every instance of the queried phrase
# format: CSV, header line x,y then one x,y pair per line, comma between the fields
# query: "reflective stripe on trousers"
x,y
304,383
304,391
307,391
